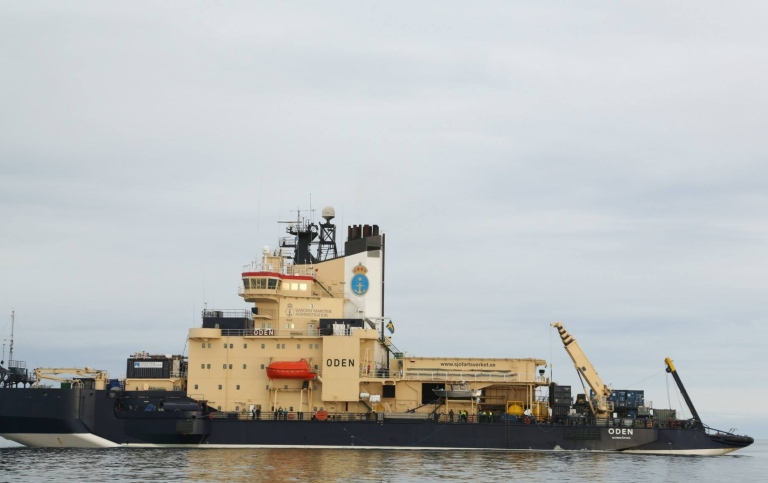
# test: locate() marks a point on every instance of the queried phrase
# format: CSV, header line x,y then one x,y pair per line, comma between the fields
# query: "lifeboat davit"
x,y
290,370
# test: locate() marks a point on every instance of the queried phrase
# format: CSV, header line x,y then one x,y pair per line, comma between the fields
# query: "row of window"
x,y
263,346
298,346
262,283
225,366
237,387
273,284
208,366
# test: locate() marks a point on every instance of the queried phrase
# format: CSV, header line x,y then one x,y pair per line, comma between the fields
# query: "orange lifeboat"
x,y
290,370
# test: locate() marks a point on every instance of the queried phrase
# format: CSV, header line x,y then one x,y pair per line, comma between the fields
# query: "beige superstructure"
x,y
329,313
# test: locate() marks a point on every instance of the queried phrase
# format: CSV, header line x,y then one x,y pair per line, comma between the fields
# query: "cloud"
x,y
600,165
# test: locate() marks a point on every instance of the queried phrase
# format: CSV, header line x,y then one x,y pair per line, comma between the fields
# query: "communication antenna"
x,y
326,243
13,323
258,212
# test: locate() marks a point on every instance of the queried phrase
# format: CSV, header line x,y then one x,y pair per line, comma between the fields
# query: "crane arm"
x,y
586,370
671,370
52,374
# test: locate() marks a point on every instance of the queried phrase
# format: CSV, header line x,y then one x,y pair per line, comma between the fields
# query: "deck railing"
x,y
445,417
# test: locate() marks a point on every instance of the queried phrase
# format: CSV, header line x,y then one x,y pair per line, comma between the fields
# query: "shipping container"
x,y
145,366
665,414
560,411
559,395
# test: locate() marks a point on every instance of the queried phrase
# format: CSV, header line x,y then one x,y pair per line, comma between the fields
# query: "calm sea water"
x,y
19,464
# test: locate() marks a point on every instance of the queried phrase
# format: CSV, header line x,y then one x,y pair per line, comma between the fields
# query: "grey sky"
x,y
599,163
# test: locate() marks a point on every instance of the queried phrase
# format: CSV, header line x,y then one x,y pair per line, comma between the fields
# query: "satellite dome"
x,y
329,213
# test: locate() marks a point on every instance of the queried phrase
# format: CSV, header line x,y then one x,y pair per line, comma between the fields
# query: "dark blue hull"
x,y
90,418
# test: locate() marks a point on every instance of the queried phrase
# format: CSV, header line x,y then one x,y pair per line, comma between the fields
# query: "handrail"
x,y
227,313
445,376
442,417
286,269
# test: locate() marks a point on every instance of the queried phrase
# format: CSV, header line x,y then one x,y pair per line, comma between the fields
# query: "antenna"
x,y
13,323
258,213
551,359
205,303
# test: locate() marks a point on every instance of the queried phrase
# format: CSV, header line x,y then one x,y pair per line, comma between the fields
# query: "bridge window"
x,y
246,283
273,283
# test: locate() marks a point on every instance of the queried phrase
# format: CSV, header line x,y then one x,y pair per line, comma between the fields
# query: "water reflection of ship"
x,y
278,465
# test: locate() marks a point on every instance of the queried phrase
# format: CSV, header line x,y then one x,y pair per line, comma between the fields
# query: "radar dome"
x,y
329,213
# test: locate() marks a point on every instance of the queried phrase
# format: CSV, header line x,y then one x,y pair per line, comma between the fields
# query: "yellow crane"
x,y
601,407
52,374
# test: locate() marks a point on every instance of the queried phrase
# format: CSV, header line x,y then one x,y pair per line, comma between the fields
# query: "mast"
x,y
326,244
13,323
671,369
